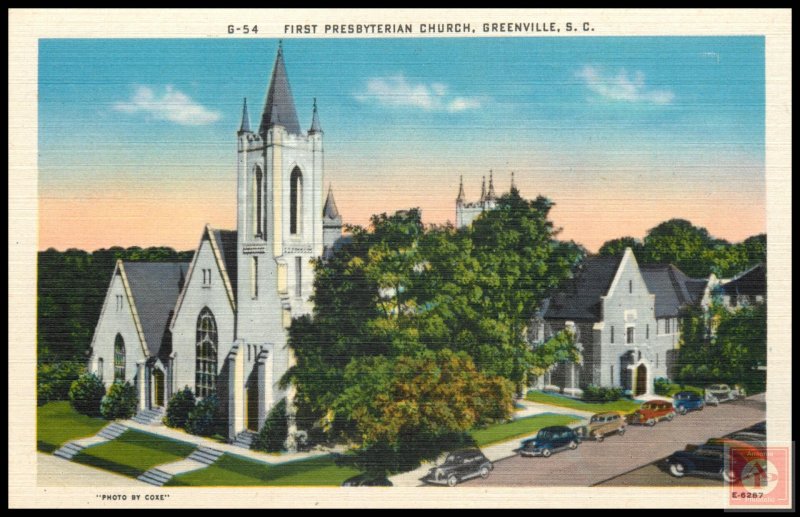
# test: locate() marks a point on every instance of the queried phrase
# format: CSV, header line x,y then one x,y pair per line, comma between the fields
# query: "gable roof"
x,y
580,298
154,287
751,282
673,289
279,108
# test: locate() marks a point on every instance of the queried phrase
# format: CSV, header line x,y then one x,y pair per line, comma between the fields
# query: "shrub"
x,y
86,393
120,402
662,386
202,420
593,393
179,407
53,380
273,433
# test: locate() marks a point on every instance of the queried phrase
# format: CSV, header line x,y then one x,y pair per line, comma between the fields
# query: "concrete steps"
x,y
68,451
149,416
244,439
155,477
205,455
110,432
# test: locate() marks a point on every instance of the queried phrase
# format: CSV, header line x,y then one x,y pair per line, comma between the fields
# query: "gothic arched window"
x,y
295,201
206,365
119,358
259,193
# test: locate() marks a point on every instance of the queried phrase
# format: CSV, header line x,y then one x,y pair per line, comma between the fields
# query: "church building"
x,y
219,323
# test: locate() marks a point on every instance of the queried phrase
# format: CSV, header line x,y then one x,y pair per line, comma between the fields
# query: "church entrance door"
x,y
251,412
641,380
158,388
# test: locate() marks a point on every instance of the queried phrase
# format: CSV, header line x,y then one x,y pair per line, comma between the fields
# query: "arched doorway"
x,y
158,387
641,380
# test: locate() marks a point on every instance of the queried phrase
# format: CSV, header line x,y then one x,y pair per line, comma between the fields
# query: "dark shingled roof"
x,y
673,289
752,282
279,108
226,242
155,287
580,298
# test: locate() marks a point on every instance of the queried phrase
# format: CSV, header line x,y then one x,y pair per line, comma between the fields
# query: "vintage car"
x,y
759,428
367,480
603,424
707,460
651,412
723,392
549,440
460,466
685,401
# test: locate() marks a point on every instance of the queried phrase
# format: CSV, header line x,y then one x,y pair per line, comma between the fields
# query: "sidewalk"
x,y
537,408
263,457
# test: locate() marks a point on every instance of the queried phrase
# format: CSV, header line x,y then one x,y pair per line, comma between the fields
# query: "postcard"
x,y
447,258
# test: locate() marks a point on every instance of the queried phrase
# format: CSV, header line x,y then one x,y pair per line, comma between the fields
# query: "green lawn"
x,y
57,423
623,405
231,470
522,427
133,453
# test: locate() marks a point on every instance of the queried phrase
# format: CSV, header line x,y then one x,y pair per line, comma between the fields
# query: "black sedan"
x,y
704,460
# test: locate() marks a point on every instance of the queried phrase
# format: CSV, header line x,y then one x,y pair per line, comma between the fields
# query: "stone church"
x,y
218,324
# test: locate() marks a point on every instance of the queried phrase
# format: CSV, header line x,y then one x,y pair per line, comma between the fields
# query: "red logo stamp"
x,y
757,476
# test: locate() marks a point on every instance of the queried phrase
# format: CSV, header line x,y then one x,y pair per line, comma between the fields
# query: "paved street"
x,y
593,463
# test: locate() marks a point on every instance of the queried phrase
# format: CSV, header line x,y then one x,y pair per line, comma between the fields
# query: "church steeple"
x,y
279,108
483,189
491,195
330,211
245,126
513,187
315,127
460,198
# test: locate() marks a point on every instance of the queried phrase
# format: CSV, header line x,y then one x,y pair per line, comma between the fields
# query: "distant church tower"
x,y
468,212
280,230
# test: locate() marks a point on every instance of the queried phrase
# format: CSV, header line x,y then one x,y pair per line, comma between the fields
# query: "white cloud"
x,y
396,90
622,86
171,105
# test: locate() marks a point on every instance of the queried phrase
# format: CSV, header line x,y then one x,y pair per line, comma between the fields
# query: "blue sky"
x,y
601,125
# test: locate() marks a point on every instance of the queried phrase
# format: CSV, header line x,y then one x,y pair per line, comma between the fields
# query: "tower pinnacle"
x,y
245,126
460,198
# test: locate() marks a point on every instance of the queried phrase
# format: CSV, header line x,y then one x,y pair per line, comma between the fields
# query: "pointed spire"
x,y
513,187
315,127
329,211
460,198
279,108
483,189
245,127
491,195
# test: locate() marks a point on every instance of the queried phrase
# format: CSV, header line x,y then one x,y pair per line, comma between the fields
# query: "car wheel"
x,y
484,472
670,416
677,470
683,410
573,445
599,437
622,432
728,475
546,453
452,480
651,422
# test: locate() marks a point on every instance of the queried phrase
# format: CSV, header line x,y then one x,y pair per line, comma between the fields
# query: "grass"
x,y
57,423
522,427
232,470
133,453
623,405
675,388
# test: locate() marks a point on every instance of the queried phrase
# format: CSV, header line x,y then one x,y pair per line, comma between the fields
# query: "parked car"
x,y
760,428
753,438
460,466
723,392
549,440
685,401
708,460
367,480
603,424
653,411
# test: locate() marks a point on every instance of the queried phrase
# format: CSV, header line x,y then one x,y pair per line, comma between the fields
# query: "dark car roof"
x,y
556,428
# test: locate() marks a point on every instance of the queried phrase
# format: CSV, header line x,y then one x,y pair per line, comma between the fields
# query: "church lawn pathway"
x,y
57,423
133,453
623,405
521,427
232,470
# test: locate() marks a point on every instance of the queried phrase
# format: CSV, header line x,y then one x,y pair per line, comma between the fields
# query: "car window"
x,y
710,453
